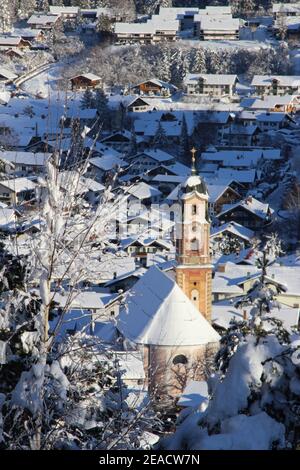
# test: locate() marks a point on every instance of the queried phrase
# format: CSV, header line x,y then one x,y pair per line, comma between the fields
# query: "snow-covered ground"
x,y
45,83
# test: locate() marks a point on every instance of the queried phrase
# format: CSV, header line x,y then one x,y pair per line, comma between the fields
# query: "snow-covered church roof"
x,y
157,312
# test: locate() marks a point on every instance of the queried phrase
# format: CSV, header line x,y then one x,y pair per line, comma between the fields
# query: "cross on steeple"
x,y
193,152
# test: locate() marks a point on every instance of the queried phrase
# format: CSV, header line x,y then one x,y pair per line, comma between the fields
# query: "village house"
x,y
24,163
43,22
235,231
120,141
153,87
210,84
7,42
216,27
285,10
243,158
17,191
237,134
146,160
143,193
139,247
289,26
66,13
264,120
85,81
250,212
187,16
278,104
152,32
139,105
100,167
276,84
232,280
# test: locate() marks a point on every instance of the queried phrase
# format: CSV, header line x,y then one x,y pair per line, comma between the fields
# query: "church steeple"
x,y
193,272
193,152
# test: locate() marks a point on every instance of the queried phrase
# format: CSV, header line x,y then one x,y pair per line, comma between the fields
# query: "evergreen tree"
x,y
160,137
101,104
88,100
184,141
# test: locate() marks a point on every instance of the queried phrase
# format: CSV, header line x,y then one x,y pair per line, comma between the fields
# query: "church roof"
x,y
194,183
157,312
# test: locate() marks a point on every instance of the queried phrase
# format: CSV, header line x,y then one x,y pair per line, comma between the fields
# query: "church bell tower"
x,y
194,269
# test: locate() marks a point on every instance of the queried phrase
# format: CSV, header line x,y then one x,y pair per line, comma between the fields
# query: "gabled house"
x,y
153,87
210,84
142,193
233,230
144,161
85,81
43,22
139,105
250,212
120,140
24,163
7,42
276,84
18,191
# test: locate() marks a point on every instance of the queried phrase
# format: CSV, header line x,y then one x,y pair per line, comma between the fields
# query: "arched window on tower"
x,y
194,244
180,359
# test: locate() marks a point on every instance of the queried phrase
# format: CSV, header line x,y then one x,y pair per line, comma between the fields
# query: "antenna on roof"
x,y
193,152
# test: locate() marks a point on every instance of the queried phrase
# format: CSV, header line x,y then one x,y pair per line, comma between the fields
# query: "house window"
x,y
194,209
180,359
112,313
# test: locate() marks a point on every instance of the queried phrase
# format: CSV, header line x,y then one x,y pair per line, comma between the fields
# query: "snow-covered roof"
x,y
234,228
58,10
143,190
134,28
88,76
228,175
251,204
25,158
84,300
18,185
157,82
156,154
9,41
224,311
7,73
234,158
283,80
270,102
283,7
217,23
159,313
210,79
42,19
107,162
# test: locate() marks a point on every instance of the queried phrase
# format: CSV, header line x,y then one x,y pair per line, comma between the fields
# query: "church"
x,y
169,320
